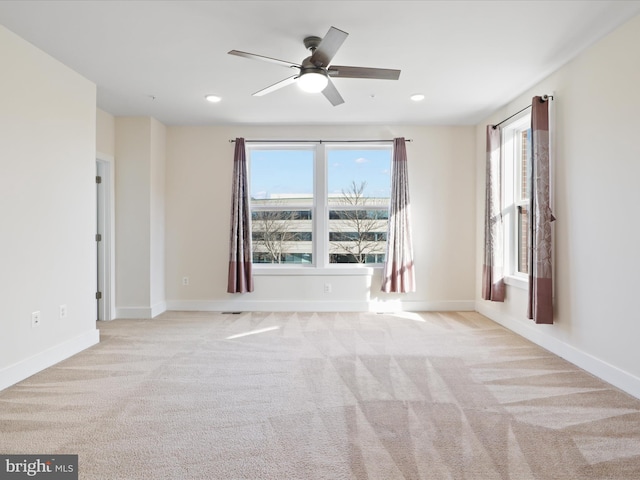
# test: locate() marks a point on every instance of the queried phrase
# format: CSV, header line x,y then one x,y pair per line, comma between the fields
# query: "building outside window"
x,y
319,204
516,148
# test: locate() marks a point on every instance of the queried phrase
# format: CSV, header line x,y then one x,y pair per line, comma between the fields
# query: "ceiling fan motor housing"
x,y
311,43
308,65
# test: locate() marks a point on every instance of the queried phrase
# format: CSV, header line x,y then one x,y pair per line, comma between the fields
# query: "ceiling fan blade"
x,y
338,71
332,94
328,47
276,86
253,56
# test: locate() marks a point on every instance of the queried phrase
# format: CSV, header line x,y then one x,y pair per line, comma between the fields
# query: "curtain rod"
x,y
318,141
544,98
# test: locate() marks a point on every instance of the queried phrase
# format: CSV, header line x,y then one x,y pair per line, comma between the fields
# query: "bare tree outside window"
x,y
358,232
273,234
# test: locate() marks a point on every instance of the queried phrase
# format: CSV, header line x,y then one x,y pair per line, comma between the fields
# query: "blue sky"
x,y
275,172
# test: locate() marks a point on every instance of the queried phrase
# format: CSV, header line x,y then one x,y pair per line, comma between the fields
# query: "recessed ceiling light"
x,y
213,98
417,97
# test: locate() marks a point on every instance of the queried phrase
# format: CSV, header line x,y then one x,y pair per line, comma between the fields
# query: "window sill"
x,y
518,282
314,271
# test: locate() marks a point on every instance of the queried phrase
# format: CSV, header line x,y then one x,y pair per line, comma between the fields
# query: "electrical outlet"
x,y
35,319
62,311
185,281
327,288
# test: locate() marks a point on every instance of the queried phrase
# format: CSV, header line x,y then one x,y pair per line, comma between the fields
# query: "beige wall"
x,y
157,216
139,203
199,168
597,101
105,133
47,207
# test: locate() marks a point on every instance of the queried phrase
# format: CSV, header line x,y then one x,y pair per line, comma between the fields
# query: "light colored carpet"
x,y
322,396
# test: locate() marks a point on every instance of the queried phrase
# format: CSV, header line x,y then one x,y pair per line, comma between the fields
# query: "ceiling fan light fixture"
x,y
313,81
315,72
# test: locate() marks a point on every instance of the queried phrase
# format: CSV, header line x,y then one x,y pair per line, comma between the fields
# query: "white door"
x,y
104,240
100,206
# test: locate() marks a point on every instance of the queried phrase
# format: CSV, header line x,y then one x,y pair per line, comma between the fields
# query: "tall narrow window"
x,y
516,149
526,207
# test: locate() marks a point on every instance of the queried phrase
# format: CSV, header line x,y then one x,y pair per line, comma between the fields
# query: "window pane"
x,y
359,189
281,183
281,177
357,236
523,244
282,236
523,169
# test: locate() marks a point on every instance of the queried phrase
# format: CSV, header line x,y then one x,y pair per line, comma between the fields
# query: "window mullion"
x,y
320,214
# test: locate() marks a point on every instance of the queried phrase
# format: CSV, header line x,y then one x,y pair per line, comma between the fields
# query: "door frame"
x,y
105,225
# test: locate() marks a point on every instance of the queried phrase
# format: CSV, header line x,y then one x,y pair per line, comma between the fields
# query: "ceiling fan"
x,y
315,72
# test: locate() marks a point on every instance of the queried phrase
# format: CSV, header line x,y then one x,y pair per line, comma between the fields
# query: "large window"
x,y
516,148
319,204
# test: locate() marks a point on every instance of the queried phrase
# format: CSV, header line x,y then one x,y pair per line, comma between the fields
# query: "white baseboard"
x,y
133,312
539,335
141,312
25,368
241,305
158,309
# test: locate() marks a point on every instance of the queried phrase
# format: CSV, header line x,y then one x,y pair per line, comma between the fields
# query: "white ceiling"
x,y
160,58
